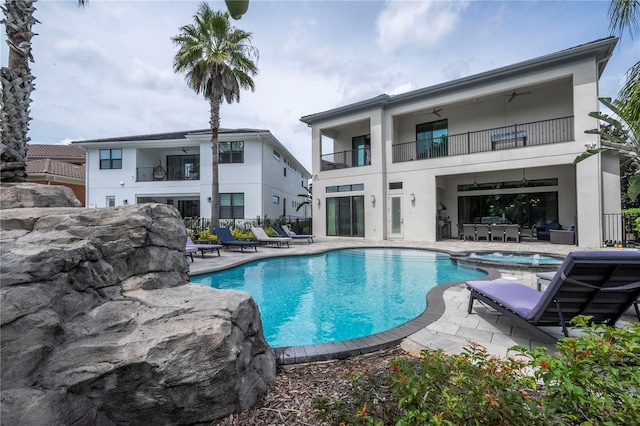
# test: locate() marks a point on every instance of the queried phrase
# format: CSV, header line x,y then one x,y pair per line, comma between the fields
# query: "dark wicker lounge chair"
x,y
227,240
601,284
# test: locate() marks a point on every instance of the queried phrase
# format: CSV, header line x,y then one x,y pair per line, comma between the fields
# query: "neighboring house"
x,y
258,176
57,165
495,146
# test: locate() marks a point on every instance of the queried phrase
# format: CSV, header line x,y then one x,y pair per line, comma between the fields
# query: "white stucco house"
x,y
258,176
492,147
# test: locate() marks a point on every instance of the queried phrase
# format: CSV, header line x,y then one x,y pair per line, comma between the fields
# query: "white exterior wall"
x,y
562,89
258,177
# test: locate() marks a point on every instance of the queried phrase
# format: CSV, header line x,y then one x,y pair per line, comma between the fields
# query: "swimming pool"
x,y
340,294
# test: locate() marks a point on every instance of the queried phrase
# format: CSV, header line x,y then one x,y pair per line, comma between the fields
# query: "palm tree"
x,y
618,135
17,85
217,61
625,14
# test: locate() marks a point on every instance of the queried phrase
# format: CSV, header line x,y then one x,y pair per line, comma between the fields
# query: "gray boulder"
x,y
99,324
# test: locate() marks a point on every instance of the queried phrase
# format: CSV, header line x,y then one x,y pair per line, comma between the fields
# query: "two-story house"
x,y
257,175
496,146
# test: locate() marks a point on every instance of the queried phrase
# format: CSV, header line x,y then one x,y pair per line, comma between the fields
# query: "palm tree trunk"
x,y
17,85
214,121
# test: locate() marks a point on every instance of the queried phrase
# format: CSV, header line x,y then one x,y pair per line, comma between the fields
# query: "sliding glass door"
x,y
345,216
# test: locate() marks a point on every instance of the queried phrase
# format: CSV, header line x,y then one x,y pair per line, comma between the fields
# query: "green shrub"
x,y
207,235
591,380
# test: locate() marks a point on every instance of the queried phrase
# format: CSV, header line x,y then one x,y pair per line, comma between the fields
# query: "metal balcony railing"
x,y
344,159
515,136
159,173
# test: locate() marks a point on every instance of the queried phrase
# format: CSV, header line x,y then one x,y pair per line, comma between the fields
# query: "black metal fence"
x,y
515,136
297,225
620,229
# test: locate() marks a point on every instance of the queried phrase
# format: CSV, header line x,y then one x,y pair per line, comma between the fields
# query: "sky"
x,y
106,70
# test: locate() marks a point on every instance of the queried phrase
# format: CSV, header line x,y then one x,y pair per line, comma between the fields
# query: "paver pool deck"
x,y
444,325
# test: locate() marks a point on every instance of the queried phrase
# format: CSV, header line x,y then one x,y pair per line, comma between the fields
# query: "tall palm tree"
x,y
217,60
625,14
17,85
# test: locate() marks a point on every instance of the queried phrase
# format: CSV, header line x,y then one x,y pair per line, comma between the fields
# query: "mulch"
x,y
290,399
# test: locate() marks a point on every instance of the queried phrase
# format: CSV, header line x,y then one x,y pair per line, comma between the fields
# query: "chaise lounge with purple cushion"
x,y
202,247
601,284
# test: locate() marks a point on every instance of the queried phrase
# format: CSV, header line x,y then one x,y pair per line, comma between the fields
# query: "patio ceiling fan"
x,y
436,112
515,93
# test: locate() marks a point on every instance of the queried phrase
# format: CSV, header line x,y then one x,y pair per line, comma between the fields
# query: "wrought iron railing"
x,y
344,159
298,225
619,229
159,173
507,137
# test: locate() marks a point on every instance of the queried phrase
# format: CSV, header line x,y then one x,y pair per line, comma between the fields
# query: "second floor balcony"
x,y
507,137
499,138
172,173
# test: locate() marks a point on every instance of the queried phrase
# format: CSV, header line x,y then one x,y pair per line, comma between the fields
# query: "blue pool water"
x,y
525,259
339,295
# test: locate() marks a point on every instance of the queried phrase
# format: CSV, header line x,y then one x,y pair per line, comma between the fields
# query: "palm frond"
x,y
624,14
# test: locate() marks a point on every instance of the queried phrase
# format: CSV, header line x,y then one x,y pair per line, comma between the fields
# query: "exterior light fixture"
x,y
318,201
209,199
373,198
412,196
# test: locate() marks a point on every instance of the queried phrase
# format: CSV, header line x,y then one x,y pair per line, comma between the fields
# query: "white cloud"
x,y
105,70
403,88
422,24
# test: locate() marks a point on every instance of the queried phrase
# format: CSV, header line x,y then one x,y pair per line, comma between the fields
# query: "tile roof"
x,y
55,167
54,151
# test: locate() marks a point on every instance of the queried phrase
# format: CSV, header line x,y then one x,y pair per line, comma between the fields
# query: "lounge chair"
x,y
262,237
293,235
202,247
227,240
281,232
188,252
601,284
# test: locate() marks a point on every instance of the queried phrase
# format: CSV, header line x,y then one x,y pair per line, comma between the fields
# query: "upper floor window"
x,y
111,201
276,155
276,199
231,152
110,158
284,170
